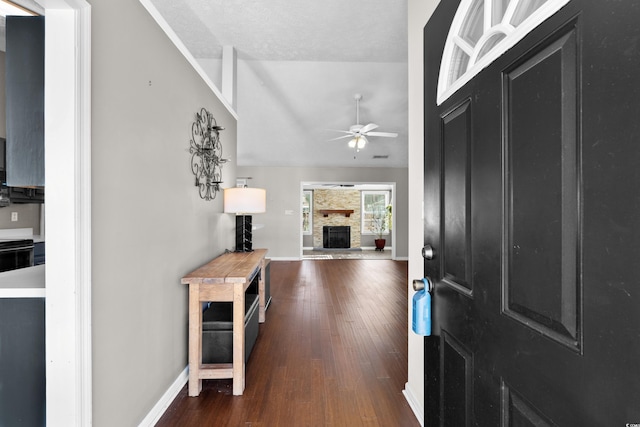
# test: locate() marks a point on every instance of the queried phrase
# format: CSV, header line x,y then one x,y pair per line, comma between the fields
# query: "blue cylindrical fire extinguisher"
x,y
422,307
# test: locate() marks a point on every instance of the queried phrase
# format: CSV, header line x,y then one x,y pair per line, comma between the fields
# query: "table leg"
x,y
195,340
262,293
238,339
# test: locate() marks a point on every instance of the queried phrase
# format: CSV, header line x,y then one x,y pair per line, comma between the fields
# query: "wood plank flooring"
x,y
332,352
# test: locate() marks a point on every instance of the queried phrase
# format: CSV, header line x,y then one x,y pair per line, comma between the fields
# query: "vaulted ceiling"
x,y
300,63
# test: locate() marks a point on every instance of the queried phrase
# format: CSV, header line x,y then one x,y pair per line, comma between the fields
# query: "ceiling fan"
x,y
359,133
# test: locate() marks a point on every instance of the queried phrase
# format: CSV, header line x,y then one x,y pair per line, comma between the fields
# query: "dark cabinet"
x,y
22,367
38,253
24,61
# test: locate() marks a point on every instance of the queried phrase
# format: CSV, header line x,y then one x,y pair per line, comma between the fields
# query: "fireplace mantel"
x,y
345,212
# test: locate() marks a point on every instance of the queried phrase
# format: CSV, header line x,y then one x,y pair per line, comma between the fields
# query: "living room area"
x,y
347,221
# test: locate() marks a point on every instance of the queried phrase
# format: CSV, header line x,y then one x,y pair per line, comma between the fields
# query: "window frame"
x,y
475,62
309,230
364,226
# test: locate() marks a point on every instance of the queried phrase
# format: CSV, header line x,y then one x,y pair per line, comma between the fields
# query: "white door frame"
x,y
68,211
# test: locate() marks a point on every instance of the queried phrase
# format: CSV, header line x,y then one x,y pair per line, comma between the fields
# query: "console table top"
x,y
231,267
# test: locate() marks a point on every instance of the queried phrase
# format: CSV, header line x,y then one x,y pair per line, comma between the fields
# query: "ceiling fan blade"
x,y
367,128
387,134
341,137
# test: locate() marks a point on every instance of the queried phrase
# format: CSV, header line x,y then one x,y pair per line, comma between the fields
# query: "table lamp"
x,y
243,201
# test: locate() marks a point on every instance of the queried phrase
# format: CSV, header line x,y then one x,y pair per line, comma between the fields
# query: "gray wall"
x,y
28,216
281,233
149,225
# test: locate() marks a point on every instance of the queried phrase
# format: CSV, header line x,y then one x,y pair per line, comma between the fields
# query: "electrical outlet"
x,y
288,212
14,216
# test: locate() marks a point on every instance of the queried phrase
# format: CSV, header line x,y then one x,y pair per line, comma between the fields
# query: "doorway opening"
x,y
364,208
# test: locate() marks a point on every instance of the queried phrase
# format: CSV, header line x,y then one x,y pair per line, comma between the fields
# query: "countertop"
x,y
20,233
23,283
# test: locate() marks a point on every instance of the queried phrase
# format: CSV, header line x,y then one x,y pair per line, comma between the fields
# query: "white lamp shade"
x,y
245,200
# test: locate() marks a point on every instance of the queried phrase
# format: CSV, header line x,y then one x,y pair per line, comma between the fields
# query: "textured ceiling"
x,y
299,65
285,30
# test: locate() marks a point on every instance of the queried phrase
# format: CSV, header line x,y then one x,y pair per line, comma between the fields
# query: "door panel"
x,y
516,411
532,205
541,194
457,394
456,146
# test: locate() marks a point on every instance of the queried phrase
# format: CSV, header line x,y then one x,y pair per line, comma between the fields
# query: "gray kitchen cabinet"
x,y
25,101
38,253
22,362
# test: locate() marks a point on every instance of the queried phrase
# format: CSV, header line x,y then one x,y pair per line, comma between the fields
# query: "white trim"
x,y
487,19
22,293
83,156
463,44
446,89
230,75
68,213
284,258
185,52
498,29
511,10
300,246
416,406
165,401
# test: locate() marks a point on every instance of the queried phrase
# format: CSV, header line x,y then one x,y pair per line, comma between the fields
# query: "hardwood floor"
x,y
332,352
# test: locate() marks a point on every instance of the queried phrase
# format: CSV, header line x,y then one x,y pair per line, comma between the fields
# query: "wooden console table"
x,y
225,278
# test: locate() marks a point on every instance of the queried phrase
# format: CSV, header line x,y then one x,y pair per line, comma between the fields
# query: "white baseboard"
x,y
373,248
285,258
416,406
159,409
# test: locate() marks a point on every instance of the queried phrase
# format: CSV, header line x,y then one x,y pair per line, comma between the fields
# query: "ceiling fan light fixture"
x,y
358,133
358,142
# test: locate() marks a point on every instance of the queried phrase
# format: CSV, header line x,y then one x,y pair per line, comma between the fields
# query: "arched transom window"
x,y
481,31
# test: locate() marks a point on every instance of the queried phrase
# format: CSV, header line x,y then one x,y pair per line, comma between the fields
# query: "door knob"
x,y
424,283
421,316
428,252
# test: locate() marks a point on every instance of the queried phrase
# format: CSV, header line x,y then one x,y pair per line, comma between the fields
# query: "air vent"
x,y
377,156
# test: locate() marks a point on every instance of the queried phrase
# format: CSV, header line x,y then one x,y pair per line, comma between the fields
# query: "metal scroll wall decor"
x,y
206,154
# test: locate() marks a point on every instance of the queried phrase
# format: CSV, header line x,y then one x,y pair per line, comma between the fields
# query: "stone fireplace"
x,y
343,206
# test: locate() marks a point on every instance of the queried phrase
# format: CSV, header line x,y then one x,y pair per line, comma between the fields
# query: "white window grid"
x,y
481,31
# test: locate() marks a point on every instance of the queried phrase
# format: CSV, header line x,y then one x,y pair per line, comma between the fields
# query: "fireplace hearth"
x,y
336,236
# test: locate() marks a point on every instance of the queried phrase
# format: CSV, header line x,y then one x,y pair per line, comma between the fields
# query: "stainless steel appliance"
x,y
15,253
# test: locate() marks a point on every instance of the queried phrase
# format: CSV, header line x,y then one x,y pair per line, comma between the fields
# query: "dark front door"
x,y
532,204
